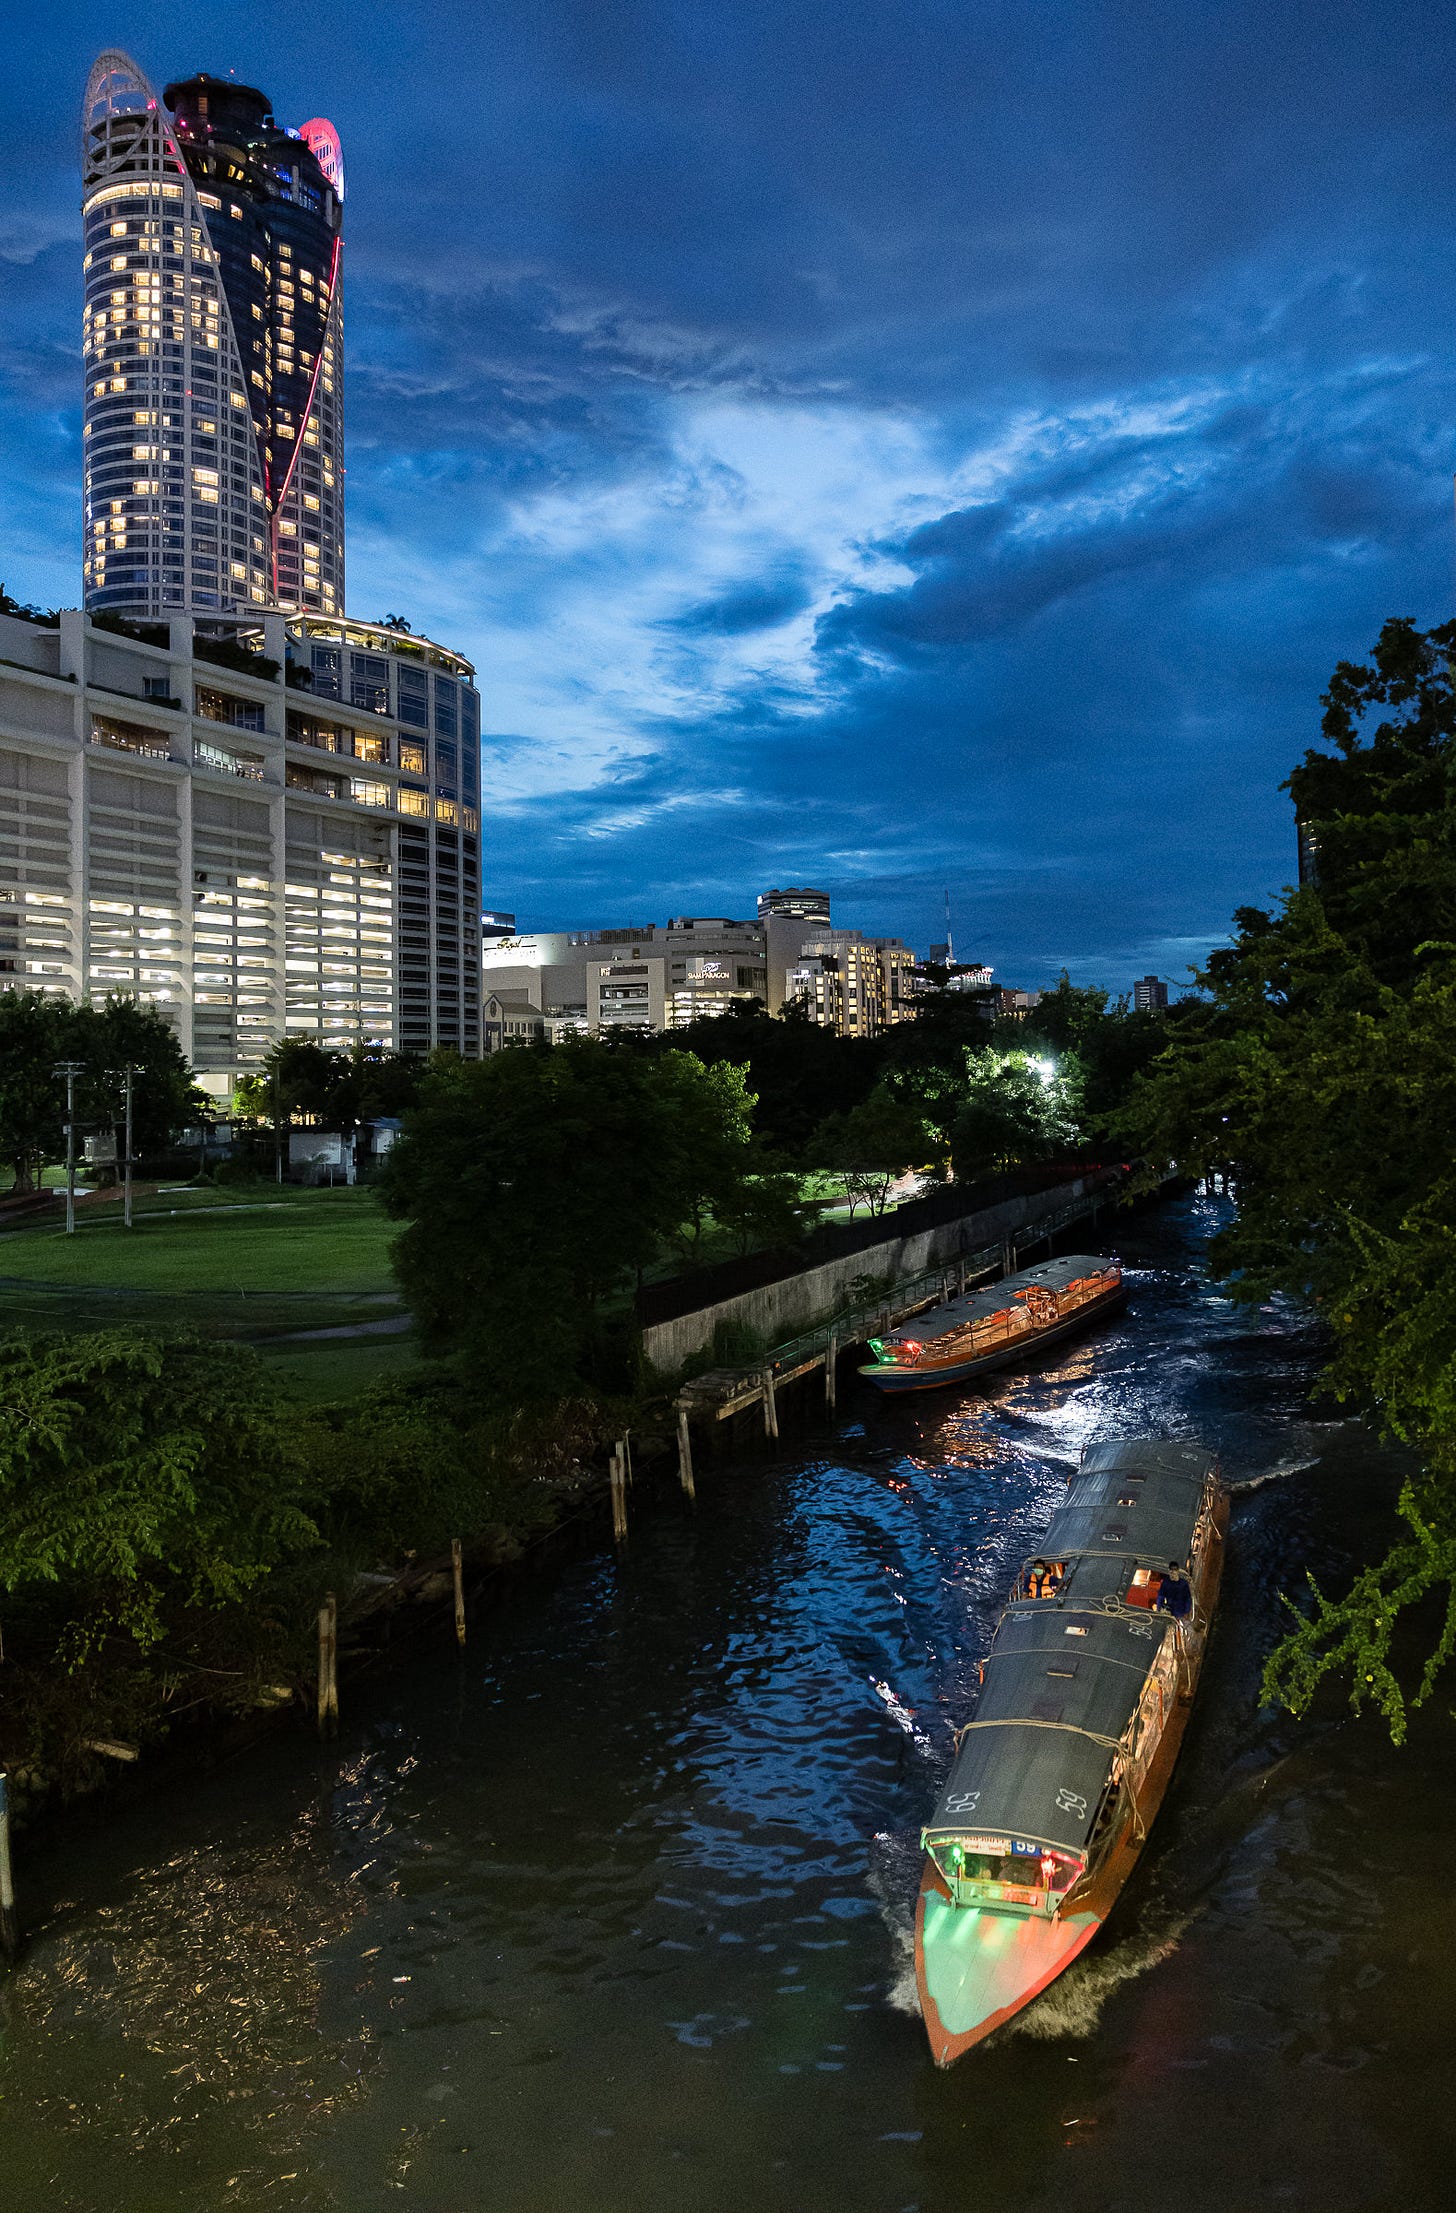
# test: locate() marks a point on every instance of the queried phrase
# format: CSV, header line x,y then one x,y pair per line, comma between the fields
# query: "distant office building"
x,y
1017,1004
628,977
856,986
213,348
265,843
968,976
654,977
797,901
1150,995
1307,856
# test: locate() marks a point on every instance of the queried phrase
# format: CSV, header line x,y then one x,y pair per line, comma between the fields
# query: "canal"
x,y
614,1913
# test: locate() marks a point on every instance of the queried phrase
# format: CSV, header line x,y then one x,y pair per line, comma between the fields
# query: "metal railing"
x,y
857,1323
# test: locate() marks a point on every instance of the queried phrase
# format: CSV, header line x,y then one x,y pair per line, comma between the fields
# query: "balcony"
x,y
237,714
127,737
223,763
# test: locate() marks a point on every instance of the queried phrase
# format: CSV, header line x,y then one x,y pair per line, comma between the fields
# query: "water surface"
x,y
615,1912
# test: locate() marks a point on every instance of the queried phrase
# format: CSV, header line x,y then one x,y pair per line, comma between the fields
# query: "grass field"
x,y
265,1241
243,1263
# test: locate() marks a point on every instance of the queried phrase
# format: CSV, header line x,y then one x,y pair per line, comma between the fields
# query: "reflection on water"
x,y
616,1913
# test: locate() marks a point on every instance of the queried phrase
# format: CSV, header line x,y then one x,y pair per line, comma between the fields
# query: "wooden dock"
x,y
722,1392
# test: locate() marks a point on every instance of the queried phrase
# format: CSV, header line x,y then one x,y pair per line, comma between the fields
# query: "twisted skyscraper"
x,y
213,344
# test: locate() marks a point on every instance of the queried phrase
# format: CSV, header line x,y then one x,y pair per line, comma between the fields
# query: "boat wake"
x,y
1241,1486
902,1714
1073,2005
894,1879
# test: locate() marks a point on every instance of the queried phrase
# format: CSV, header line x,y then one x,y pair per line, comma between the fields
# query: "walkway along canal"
x,y
613,1910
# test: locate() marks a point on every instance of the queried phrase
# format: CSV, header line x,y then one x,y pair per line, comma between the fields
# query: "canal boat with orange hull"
x,y
1086,1693
989,1329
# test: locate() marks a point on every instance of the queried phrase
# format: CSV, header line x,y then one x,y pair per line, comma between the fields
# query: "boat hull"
x,y
971,1976
976,1968
891,1379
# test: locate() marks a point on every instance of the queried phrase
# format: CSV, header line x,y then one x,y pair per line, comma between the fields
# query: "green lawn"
x,y
249,1242
339,1369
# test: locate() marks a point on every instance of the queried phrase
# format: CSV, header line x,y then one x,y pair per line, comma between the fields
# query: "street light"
x,y
70,1069
128,1072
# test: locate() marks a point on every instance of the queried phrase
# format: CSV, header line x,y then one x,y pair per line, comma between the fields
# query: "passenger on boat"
x,y
1044,1581
1175,1595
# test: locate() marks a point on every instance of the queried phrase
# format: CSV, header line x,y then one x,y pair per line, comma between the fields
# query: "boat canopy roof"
x,y
977,1306
1064,1676
1135,1503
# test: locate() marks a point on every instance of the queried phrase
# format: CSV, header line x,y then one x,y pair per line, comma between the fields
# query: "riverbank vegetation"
x,y
1317,1073
169,1523
174,1501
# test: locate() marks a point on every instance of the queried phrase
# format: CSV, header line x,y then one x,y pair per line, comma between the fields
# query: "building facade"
x,y
213,473
1150,995
662,977
274,833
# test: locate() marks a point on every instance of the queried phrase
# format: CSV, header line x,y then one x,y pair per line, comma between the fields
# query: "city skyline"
x,y
818,506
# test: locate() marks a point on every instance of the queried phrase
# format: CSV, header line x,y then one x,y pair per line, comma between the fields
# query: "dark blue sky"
x,y
882,445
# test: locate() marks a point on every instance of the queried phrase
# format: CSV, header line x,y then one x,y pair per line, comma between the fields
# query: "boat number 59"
x,y
1071,1801
962,1801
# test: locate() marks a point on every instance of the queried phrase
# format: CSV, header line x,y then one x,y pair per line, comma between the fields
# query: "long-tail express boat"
x,y
989,1329
1085,1695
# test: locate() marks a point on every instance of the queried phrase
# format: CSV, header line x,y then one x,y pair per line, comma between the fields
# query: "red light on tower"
x,y
322,140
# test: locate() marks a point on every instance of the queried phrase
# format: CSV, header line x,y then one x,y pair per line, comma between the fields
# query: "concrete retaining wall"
x,y
779,1310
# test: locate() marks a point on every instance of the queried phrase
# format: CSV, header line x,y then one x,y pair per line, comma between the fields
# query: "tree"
x,y
131,1466
537,1186
1110,1045
37,1031
799,1072
31,1099
337,1090
871,1144
1318,1071
1015,1110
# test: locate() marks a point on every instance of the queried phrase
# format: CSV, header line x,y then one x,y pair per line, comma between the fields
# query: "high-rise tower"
x,y
213,348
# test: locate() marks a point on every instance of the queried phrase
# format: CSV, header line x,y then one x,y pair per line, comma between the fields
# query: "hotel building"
x,y
215,791
213,476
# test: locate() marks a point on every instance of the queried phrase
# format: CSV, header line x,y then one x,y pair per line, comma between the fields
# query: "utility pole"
x,y
128,1072
70,1069
277,1129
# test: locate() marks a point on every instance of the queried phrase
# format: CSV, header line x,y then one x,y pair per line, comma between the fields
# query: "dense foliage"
x,y
1319,1072
868,1146
168,1524
538,1185
40,1030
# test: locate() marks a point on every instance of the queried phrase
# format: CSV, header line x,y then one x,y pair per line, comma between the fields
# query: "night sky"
x,y
887,446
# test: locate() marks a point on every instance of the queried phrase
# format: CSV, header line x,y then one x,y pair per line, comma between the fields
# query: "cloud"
x,y
898,448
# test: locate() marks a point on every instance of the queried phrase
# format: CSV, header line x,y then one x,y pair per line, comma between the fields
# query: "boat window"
x,y
1026,1870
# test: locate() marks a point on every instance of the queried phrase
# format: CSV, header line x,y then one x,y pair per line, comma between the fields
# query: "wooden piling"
x,y
684,1451
457,1571
328,1666
9,1925
831,1368
770,1405
618,1479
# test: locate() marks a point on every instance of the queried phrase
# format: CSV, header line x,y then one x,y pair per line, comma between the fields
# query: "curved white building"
x,y
213,344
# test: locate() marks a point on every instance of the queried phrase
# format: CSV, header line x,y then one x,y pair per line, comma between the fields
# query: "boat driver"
x,y
1043,1581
